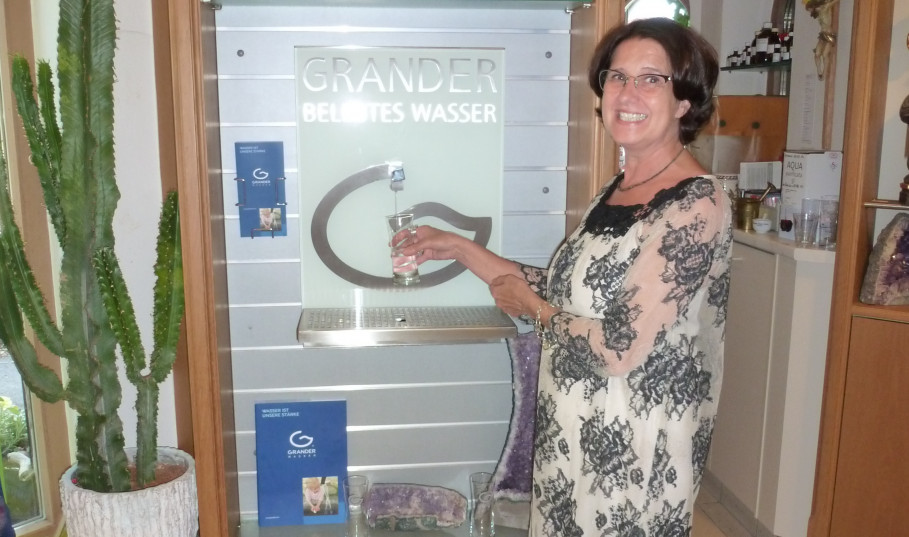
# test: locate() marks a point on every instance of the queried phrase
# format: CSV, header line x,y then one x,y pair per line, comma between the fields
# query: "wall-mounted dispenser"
x,y
440,112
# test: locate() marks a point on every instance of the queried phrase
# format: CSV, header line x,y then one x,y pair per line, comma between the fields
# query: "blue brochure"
x,y
301,459
261,200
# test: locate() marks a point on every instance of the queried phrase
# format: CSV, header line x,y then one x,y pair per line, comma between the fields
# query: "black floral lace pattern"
x,y
629,386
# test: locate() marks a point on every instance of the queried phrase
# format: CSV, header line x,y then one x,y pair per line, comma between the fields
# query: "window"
x,y
34,458
671,9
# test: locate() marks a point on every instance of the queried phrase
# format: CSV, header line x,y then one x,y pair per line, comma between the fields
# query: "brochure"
x,y
301,459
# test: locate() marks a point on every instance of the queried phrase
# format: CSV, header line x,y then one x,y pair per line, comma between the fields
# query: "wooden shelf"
x,y
892,205
776,66
899,314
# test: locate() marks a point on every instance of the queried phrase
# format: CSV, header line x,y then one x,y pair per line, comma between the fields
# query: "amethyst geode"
x,y
513,476
887,278
403,507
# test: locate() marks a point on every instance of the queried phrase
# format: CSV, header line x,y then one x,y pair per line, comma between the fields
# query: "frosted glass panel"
x,y
361,111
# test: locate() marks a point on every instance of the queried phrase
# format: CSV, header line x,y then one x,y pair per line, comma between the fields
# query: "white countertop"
x,y
773,243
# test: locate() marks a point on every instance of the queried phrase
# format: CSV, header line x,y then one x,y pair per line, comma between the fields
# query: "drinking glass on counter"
x,y
826,233
805,228
482,523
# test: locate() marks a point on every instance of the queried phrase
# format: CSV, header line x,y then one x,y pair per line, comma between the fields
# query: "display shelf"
x,y
899,314
893,205
777,66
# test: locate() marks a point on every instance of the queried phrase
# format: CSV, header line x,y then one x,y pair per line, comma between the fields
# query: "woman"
x,y
632,309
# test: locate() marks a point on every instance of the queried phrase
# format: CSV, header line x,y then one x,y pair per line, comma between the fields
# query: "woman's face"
x,y
641,121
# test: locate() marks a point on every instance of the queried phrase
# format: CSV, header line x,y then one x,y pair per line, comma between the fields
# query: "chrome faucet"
x,y
396,173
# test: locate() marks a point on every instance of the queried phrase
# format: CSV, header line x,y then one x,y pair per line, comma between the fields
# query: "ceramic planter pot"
x,y
166,510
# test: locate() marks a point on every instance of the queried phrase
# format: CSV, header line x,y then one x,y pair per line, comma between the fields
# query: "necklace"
x,y
627,188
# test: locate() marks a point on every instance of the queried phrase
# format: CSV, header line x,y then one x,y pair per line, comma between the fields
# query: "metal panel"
x,y
412,17
396,405
536,101
271,52
535,235
265,326
268,368
274,282
534,191
539,146
424,414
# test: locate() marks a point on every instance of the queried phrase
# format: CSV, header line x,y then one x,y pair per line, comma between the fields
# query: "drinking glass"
x,y
404,267
811,206
482,523
826,233
805,228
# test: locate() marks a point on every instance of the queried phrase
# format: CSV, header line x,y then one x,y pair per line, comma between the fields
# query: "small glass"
x,y
805,228
403,267
482,521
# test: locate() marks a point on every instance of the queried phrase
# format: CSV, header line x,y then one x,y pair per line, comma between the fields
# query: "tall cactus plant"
x,y
75,164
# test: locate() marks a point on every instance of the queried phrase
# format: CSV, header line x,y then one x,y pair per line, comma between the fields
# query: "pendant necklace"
x,y
654,176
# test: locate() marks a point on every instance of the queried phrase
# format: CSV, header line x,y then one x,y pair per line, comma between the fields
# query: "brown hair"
x,y
693,60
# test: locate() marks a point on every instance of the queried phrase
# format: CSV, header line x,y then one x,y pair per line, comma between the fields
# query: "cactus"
x,y
75,164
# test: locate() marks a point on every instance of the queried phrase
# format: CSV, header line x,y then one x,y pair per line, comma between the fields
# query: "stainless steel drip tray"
x,y
376,326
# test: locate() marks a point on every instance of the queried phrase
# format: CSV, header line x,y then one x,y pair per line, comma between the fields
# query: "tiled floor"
x,y
712,520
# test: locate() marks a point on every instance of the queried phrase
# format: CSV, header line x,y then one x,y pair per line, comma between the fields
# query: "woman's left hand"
x,y
513,295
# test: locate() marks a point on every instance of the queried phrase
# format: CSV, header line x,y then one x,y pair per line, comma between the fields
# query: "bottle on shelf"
x,y
758,49
762,43
775,46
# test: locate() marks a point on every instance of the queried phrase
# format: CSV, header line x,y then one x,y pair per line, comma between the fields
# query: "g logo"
x,y
300,440
481,226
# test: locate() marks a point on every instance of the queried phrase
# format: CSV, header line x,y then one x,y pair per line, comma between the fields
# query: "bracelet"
x,y
540,329
537,322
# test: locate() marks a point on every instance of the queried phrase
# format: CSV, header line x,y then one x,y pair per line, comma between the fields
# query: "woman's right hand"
x,y
429,243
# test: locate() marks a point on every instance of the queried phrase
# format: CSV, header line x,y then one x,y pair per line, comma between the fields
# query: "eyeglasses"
x,y
647,83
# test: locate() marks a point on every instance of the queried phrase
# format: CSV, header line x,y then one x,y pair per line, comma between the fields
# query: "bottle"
x,y
775,46
762,42
784,48
758,49
736,58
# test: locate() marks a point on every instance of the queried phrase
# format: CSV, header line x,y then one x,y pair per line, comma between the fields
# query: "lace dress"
x,y
629,385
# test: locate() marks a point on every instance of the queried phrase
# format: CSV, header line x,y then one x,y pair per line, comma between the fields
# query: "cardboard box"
x,y
807,174
756,175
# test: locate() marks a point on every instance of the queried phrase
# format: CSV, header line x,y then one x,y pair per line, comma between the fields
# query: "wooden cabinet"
x,y
862,468
761,462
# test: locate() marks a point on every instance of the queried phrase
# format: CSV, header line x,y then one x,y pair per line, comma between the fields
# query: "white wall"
x,y
894,147
727,26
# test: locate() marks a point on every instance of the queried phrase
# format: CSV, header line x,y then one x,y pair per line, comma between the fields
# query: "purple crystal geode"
x,y
404,507
887,277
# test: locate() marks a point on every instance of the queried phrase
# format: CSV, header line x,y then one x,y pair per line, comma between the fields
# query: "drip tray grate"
x,y
367,327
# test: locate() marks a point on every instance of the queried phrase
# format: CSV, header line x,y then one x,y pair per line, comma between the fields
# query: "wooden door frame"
x,y
189,136
868,67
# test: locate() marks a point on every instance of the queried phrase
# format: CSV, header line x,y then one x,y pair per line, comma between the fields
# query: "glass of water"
x,y
403,267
